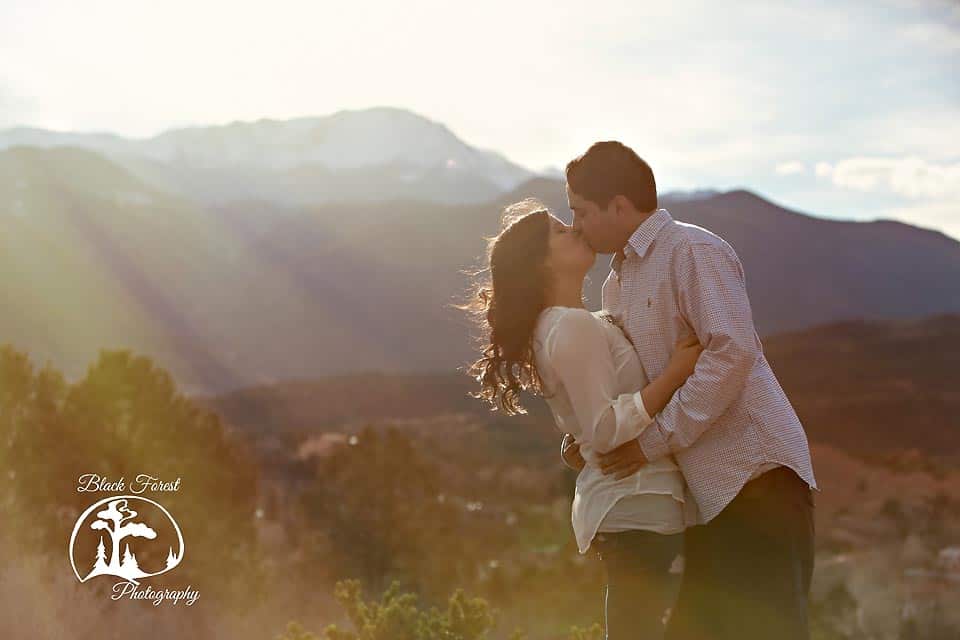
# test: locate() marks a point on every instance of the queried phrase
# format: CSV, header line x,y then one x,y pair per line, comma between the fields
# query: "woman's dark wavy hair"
x,y
507,303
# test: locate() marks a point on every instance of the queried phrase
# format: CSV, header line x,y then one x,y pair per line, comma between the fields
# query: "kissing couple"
x,y
685,442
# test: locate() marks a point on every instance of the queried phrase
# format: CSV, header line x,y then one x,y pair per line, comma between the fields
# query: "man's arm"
x,y
713,300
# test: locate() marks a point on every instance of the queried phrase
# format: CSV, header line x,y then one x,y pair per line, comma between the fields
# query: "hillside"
x,y
873,390
254,292
876,389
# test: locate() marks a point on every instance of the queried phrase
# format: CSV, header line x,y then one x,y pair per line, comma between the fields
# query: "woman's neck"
x,y
566,293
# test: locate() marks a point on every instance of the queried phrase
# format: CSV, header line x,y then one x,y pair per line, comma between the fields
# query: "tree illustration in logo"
x,y
115,521
116,517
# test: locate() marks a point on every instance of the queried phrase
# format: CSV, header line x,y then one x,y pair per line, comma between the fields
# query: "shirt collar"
x,y
643,237
615,264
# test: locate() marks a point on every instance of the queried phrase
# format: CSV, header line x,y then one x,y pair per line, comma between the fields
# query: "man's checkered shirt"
x,y
731,418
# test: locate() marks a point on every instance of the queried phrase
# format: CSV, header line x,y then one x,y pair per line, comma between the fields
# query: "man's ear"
x,y
621,206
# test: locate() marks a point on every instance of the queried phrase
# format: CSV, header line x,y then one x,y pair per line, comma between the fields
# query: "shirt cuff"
x,y
652,442
641,409
631,416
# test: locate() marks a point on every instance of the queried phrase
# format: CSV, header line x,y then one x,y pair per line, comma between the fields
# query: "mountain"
x,y
94,258
870,389
255,292
373,154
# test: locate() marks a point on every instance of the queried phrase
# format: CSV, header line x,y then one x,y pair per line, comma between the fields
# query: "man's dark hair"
x,y
611,168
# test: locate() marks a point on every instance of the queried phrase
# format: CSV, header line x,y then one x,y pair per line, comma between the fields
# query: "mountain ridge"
x,y
394,151
349,286
899,366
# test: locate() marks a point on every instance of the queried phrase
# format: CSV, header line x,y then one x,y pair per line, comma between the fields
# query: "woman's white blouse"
x,y
592,380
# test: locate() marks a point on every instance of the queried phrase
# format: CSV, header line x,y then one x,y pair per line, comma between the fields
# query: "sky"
x,y
840,109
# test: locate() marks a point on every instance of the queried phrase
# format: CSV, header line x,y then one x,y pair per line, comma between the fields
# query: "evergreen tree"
x,y
101,563
127,558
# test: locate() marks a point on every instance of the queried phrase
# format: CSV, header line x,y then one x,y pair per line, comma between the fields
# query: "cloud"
x,y
929,191
823,169
911,176
928,131
937,36
790,168
764,95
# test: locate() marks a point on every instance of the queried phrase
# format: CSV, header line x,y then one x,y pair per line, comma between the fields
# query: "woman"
x,y
540,338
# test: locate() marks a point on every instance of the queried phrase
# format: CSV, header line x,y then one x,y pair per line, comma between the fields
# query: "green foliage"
x,y
397,617
124,418
593,632
376,503
397,505
934,626
295,631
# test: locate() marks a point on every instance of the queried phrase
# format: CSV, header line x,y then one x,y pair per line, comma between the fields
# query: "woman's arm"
x,y
579,353
683,360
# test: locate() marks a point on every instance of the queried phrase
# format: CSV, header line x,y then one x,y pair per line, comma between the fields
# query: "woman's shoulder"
x,y
552,317
568,311
576,317
555,322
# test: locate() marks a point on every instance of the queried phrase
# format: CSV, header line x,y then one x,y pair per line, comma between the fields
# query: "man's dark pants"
x,y
747,572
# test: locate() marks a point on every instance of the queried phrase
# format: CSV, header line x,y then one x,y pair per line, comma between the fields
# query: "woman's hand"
x,y
570,452
683,360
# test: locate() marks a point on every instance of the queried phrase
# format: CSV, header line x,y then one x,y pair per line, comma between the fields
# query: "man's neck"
x,y
640,219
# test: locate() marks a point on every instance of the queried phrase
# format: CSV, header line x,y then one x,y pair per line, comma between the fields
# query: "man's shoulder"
x,y
686,234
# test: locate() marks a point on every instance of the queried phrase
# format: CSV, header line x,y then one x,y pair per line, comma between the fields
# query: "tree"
x,y
32,434
117,512
100,565
171,558
129,561
123,417
376,503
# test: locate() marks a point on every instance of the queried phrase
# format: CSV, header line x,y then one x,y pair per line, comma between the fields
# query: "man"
x,y
731,428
